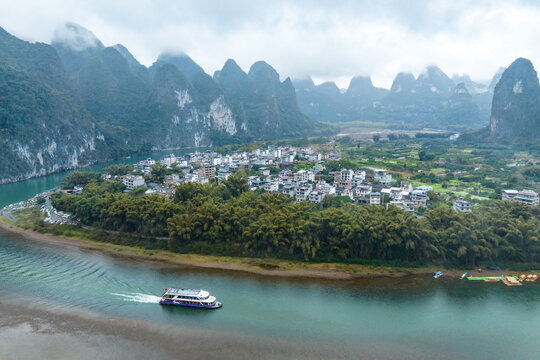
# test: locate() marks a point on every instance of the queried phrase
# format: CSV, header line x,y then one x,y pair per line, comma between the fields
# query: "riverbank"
x,y
266,267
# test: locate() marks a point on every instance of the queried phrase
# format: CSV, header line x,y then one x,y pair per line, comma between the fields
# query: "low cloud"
x,y
327,40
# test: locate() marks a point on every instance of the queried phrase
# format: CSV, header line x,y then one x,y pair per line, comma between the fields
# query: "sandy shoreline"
x,y
335,271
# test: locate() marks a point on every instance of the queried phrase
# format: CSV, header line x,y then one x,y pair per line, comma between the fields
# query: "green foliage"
x,y
80,178
236,184
158,172
175,169
118,169
206,219
425,156
335,201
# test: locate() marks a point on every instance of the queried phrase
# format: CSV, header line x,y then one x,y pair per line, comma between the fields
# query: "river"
x,y
411,317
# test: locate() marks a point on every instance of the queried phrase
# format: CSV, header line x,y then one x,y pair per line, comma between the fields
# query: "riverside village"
x,y
298,172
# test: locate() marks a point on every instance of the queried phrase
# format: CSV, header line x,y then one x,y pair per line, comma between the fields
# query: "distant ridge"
x,y
426,101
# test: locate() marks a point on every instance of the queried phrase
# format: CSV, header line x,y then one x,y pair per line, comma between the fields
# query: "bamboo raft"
x,y
511,281
528,277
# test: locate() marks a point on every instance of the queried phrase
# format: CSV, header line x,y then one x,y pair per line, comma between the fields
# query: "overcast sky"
x,y
329,40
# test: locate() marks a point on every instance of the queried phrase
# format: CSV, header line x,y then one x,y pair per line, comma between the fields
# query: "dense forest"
x,y
228,219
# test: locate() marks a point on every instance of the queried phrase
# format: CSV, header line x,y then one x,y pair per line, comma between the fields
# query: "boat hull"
x,y
217,305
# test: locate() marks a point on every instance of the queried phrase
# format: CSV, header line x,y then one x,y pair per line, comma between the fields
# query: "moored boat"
x,y
189,297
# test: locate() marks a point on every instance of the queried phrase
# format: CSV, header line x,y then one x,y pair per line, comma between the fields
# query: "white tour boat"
x,y
189,297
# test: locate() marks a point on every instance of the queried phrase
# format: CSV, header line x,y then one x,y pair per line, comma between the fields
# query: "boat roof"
x,y
186,292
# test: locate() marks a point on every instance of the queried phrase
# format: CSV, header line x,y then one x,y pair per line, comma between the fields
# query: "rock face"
x,y
515,112
43,123
264,106
461,109
76,101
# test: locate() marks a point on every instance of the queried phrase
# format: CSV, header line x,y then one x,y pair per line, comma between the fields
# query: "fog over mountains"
x,y
97,102
78,101
431,100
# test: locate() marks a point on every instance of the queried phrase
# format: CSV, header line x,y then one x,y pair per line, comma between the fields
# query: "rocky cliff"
x,y
515,111
44,125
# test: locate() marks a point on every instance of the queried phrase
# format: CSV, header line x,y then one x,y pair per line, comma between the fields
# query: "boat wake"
x,y
138,297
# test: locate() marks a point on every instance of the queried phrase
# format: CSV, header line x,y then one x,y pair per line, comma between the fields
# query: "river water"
x,y
411,317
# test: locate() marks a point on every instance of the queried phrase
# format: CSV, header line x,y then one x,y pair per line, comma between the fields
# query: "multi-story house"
x,y
363,190
132,181
169,160
375,198
527,197
325,188
208,171
316,196
302,192
271,186
418,197
382,177
145,164
405,205
305,175
462,205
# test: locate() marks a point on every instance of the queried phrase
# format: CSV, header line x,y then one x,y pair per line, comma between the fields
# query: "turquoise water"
x,y
428,318
14,192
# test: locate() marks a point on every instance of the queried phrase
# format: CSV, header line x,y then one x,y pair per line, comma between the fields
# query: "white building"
x,y
169,160
394,193
271,186
316,196
527,197
302,192
344,175
133,181
419,197
462,205
375,199
305,175
325,188
382,177
358,178
145,164
363,190
404,205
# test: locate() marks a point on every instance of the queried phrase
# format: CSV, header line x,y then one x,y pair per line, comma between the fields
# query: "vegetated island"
x,y
225,226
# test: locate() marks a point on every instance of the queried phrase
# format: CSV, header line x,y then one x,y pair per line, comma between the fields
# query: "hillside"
x,y
432,100
515,113
45,127
77,101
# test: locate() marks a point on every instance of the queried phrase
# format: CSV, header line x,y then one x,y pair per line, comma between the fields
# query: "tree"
x,y
236,184
158,172
175,169
189,190
80,178
118,169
